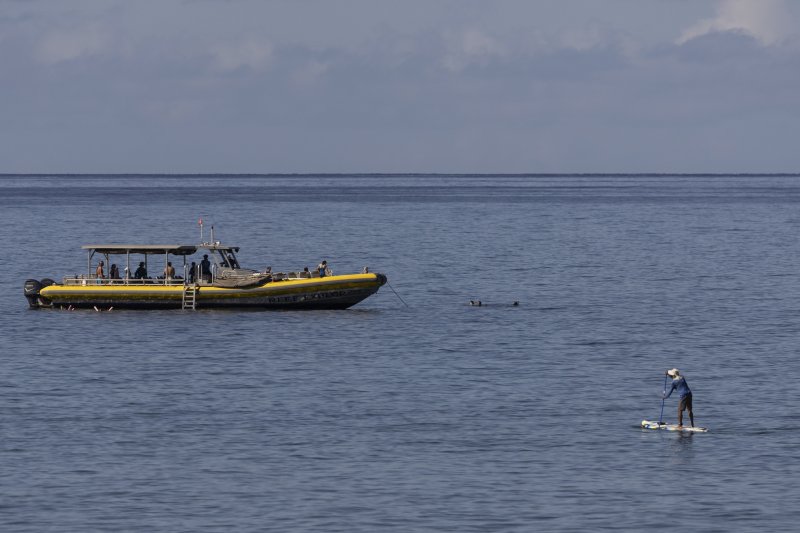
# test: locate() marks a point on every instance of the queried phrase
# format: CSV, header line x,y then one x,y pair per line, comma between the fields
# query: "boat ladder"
x,y
190,297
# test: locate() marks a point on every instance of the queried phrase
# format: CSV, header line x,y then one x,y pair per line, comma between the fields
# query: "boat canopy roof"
x,y
157,249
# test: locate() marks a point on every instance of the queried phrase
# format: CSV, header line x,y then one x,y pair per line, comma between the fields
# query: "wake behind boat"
x,y
216,281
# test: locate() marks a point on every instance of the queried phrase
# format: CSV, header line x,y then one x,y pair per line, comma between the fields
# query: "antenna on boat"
x,y
212,234
200,223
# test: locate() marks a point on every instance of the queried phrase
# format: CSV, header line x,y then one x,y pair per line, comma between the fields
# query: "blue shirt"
x,y
680,385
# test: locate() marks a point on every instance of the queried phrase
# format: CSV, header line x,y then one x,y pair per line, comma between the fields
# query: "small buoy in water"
x,y
516,303
475,302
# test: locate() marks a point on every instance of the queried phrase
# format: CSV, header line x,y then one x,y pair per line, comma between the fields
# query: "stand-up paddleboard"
x,y
648,424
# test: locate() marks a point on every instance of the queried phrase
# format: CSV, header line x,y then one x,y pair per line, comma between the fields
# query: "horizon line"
x,y
399,174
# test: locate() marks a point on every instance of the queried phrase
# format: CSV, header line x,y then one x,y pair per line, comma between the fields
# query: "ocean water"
x,y
436,416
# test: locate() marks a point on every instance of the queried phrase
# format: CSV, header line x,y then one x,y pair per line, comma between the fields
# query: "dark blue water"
x,y
434,417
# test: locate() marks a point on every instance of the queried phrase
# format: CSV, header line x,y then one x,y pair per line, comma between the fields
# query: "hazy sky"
x,y
260,86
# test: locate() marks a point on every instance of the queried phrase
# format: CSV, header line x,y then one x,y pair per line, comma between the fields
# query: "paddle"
x,y
661,416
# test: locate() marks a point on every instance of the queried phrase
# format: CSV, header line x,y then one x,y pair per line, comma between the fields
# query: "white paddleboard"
x,y
648,424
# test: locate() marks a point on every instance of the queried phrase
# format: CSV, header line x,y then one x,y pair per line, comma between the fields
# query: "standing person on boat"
x,y
100,273
322,268
192,272
205,268
114,272
169,271
684,395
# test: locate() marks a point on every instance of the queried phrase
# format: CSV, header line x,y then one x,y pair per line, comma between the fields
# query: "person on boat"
x,y
100,273
192,272
169,271
205,268
684,395
113,273
141,272
322,268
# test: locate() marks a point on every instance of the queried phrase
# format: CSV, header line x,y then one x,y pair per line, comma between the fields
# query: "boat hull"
x,y
333,292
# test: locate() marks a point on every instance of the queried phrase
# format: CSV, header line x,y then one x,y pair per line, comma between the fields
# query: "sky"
x,y
363,86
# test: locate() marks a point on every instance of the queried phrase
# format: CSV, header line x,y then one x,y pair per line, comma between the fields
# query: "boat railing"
x,y
84,280
91,280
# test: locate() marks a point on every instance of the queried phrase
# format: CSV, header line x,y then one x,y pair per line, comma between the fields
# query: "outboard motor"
x,y
32,288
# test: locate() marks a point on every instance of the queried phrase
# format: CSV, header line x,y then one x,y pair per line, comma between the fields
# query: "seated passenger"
x,y
227,260
141,272
322,268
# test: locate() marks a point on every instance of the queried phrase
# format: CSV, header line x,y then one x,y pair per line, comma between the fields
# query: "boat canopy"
x,y
154,249
160,249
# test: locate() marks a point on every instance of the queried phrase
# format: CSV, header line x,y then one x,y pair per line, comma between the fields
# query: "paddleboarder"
x,y
684,395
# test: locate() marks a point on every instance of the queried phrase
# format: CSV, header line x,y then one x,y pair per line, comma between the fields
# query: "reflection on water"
x,y
681,451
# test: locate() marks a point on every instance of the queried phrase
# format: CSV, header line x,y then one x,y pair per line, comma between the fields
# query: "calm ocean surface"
x,y
434,417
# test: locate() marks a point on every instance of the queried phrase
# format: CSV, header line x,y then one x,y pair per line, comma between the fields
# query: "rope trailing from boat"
x,y
395,292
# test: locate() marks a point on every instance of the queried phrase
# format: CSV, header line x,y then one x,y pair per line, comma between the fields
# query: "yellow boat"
x,y
213,283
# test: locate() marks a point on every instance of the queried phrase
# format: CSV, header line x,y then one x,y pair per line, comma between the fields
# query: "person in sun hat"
x,y
684,395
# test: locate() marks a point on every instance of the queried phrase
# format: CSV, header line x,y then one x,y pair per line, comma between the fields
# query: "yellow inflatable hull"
x,y
332,292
